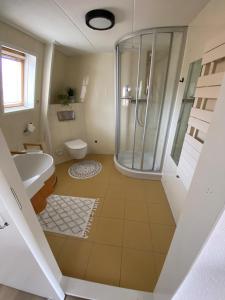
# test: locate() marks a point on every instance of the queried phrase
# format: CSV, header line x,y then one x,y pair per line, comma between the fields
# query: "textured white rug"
x,y
85,169
68,215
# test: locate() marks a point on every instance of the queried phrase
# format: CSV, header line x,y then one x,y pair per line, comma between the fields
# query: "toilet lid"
x,y
76,144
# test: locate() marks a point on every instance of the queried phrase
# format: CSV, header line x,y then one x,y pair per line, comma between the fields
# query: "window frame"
x,y
19,56
31,62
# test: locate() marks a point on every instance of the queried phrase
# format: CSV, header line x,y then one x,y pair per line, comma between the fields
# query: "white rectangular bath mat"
x,y
68,215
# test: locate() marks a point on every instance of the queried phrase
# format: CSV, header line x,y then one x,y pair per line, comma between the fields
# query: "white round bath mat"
x,y
85,169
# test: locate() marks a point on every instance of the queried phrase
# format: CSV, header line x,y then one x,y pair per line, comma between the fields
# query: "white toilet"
x,y
76,148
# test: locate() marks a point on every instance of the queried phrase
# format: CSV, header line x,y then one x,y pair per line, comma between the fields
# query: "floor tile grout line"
x,y
150,227
129,220
113,245
172,219
89,257
114,181
121,265
163,224
151,232
123,235
146,251
62,246
96,243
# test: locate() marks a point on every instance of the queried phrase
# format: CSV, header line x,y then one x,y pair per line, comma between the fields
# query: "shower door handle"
x,y
140,123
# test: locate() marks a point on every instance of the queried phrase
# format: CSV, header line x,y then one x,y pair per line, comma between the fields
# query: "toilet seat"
x,y
76,144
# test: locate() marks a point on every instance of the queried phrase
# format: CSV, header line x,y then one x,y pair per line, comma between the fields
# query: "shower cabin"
x,y
147,75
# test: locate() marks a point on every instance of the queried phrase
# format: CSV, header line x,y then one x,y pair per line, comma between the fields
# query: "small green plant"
x,y
69,97
64,100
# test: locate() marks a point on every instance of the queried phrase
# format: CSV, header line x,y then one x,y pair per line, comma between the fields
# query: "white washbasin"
x,y
34,170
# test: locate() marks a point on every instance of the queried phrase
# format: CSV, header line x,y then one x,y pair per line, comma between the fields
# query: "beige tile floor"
x,y
131,231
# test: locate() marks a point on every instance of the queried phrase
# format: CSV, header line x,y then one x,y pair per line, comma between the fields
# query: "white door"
x,y
25,257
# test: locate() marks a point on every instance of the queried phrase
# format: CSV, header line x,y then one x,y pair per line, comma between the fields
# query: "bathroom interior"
x,y
102,130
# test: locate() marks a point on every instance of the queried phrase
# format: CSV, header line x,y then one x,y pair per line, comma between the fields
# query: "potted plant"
x,y
63,99
69,97
71,94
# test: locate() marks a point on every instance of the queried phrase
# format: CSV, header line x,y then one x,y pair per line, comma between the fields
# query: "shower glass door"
x,y
129,64
144,97
141,103
153,139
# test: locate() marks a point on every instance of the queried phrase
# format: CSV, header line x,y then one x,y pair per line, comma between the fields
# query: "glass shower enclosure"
x,y
147,75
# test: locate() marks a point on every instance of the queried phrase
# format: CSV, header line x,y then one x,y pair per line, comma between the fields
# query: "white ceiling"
x,y
63,21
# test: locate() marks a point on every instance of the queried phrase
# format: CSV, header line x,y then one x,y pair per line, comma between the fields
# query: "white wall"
x,y
68,130
209,23
203,207
13,124
92,75
65,131
59,70
206,278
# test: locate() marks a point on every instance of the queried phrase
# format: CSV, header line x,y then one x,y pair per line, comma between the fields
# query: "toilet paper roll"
x,y
30,127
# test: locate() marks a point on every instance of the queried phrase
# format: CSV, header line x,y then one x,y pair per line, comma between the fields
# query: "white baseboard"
x,y
96,291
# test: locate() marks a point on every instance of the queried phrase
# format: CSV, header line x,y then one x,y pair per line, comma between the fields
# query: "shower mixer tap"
x,y
126,91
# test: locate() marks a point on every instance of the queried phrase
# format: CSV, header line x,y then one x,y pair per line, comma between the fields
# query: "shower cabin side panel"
x,y
170,95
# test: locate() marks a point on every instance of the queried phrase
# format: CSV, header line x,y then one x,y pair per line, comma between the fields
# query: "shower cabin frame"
x,y
133,172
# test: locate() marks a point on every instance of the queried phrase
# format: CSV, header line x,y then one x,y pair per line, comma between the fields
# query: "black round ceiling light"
x,y
100,19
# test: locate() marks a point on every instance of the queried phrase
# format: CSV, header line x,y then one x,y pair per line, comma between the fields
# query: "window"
x,y
12,77
18,79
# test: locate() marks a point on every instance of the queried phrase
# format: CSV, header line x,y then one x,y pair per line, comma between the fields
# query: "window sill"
x,y
17,109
